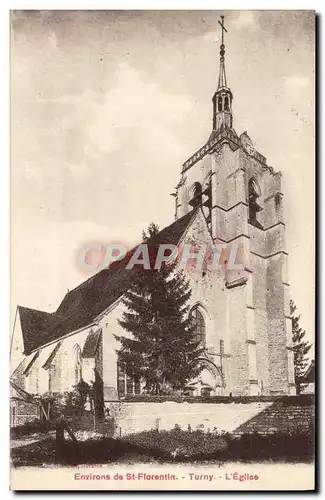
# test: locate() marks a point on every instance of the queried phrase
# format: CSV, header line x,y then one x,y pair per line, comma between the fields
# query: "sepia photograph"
x,y
162,169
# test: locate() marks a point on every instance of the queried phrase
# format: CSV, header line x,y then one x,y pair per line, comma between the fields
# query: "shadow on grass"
x,y
168,447
98,451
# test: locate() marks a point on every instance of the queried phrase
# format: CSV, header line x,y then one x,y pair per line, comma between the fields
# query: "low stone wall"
x,y
295,413
281,417
22,412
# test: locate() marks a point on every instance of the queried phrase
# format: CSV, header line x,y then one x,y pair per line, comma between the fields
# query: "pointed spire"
x,y
222,71
222,74
222,99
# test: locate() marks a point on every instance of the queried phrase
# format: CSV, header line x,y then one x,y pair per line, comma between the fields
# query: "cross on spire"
x,y
222,28
222,72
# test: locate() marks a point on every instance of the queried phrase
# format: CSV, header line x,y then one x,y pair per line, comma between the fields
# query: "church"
x,y
227,194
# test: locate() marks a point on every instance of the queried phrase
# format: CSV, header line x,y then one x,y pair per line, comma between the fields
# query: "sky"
x,y
107,105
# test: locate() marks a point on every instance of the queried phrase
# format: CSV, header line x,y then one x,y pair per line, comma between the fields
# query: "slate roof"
x,y
91,344
30,364
309,375
49,360
84,303
20,394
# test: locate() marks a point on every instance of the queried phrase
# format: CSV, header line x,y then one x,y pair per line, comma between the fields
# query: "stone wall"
x,y
280,416
265,416
22,412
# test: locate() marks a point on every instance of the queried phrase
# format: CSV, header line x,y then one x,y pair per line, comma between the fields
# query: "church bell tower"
x,y
241,200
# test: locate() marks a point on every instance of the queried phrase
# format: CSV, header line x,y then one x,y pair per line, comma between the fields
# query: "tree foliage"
x,y
67,403
301,347
162,349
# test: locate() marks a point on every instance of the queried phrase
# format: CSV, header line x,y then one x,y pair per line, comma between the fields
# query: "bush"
x,y
301,399
181,444
177,444
68,403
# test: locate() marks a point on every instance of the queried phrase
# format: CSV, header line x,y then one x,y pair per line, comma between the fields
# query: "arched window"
x,y
220,103
196,199
126,384
253,205
198,322
226,103
77,367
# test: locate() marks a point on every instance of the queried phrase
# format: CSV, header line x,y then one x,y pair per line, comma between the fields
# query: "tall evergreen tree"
x,y
162,349
300,347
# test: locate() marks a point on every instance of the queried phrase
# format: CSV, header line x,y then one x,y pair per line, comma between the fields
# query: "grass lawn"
x,y
167,446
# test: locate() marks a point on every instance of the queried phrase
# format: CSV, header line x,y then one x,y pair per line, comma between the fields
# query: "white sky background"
x,y
106,106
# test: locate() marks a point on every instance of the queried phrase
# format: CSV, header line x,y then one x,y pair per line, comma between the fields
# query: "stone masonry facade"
x,y
256,323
